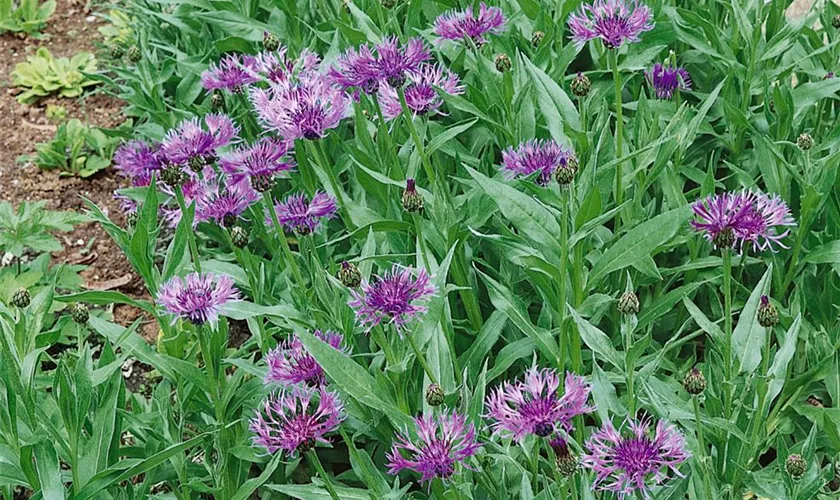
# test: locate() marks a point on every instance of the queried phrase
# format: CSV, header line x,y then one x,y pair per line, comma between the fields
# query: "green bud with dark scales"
x,y
835,21
804,141
796,466
196,163
567,462
117,51
694,382
567,171
768,315
80,313
537,38
134,54
580,85
239,236
503,63
412,201
217,100
628,303
263,183
270,42
131,219
724,239
434,395
389,4
21,298
349,275
173,176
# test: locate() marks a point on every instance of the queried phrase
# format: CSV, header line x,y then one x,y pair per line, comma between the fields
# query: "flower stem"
x,y
418,143
701,444
284,244
379,337
727,340
312,456
619,135
182,205
422,359
317,152
630,366
389,142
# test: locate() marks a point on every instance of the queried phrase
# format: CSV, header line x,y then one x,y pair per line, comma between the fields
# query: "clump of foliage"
x,y
76,149
118,30
25,16
43,74
28,227
55,113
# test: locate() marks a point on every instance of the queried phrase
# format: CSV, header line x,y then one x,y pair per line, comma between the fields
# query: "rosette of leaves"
x,y
29,227
43,74
25,16
77,149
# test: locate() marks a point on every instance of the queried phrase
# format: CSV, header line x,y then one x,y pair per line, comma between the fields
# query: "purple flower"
x,y
137,160
389,63
197,298
259,163
420,94
442,442
231,73
395,297
732,219
613,21
293,419
222,201
666,80
194,187
303,216
625,465
532,406
290,363
302,110
190,143
543,156
455,25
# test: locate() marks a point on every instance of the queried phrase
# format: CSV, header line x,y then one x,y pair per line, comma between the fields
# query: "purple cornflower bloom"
x,y
191,144
259,163
543,156
459,25
231,73
625,464
420,94
613,21
302,110
293,419
197,298
289,363
442,442
395,297
532,406
137,160
732,219
223,201
297,213
665,80
389,63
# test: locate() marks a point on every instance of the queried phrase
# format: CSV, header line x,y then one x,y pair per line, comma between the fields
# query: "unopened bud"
x,y
580,85
434,395
694,382
80,313
567,462
804,141
537,38
134,54
412,201
566,171
503,63
270,42
21,298
349,275
628,303
796,466
217,100
117,51
768,315
239,236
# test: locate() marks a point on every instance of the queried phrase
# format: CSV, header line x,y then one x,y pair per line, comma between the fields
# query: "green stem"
x,y
701,444
312,456
389,142
619,134
418,143
422,359
379,337
727,340
317,151
284,244
629,366
759,419
182,205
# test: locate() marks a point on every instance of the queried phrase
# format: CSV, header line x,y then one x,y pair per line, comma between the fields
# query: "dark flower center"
x,y
636,455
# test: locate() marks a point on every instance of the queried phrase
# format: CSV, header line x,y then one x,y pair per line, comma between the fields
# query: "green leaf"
x,y
313,492
250,486
596,340
748,336
554,104
828,253
779,368
49,474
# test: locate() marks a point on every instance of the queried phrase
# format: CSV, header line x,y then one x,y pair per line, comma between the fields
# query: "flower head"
x,y
293,419
304,216
223,201
625,464
543,156
733,219
197,298
458,25
232,73
665,80
613,21
389,62
137,161
305,109
192,144
442,442
420,93
395,297
290,363
259,163
533,406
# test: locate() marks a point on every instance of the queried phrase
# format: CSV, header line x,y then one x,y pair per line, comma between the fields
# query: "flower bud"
x,y
270,42
389,4
173,176
835,21
694,382
196,163
80,313
628,303
134,54
537,38
217,100
503,63
412,202
804,141
567,462
239,236
796,466
21,298
434,395
724,239
117,51
349,275
768,315
131,219
566,171
580,85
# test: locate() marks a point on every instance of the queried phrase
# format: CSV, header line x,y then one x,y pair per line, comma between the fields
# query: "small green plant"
x,y
118,31
28,227
25,16
77,149
56,113
43,74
